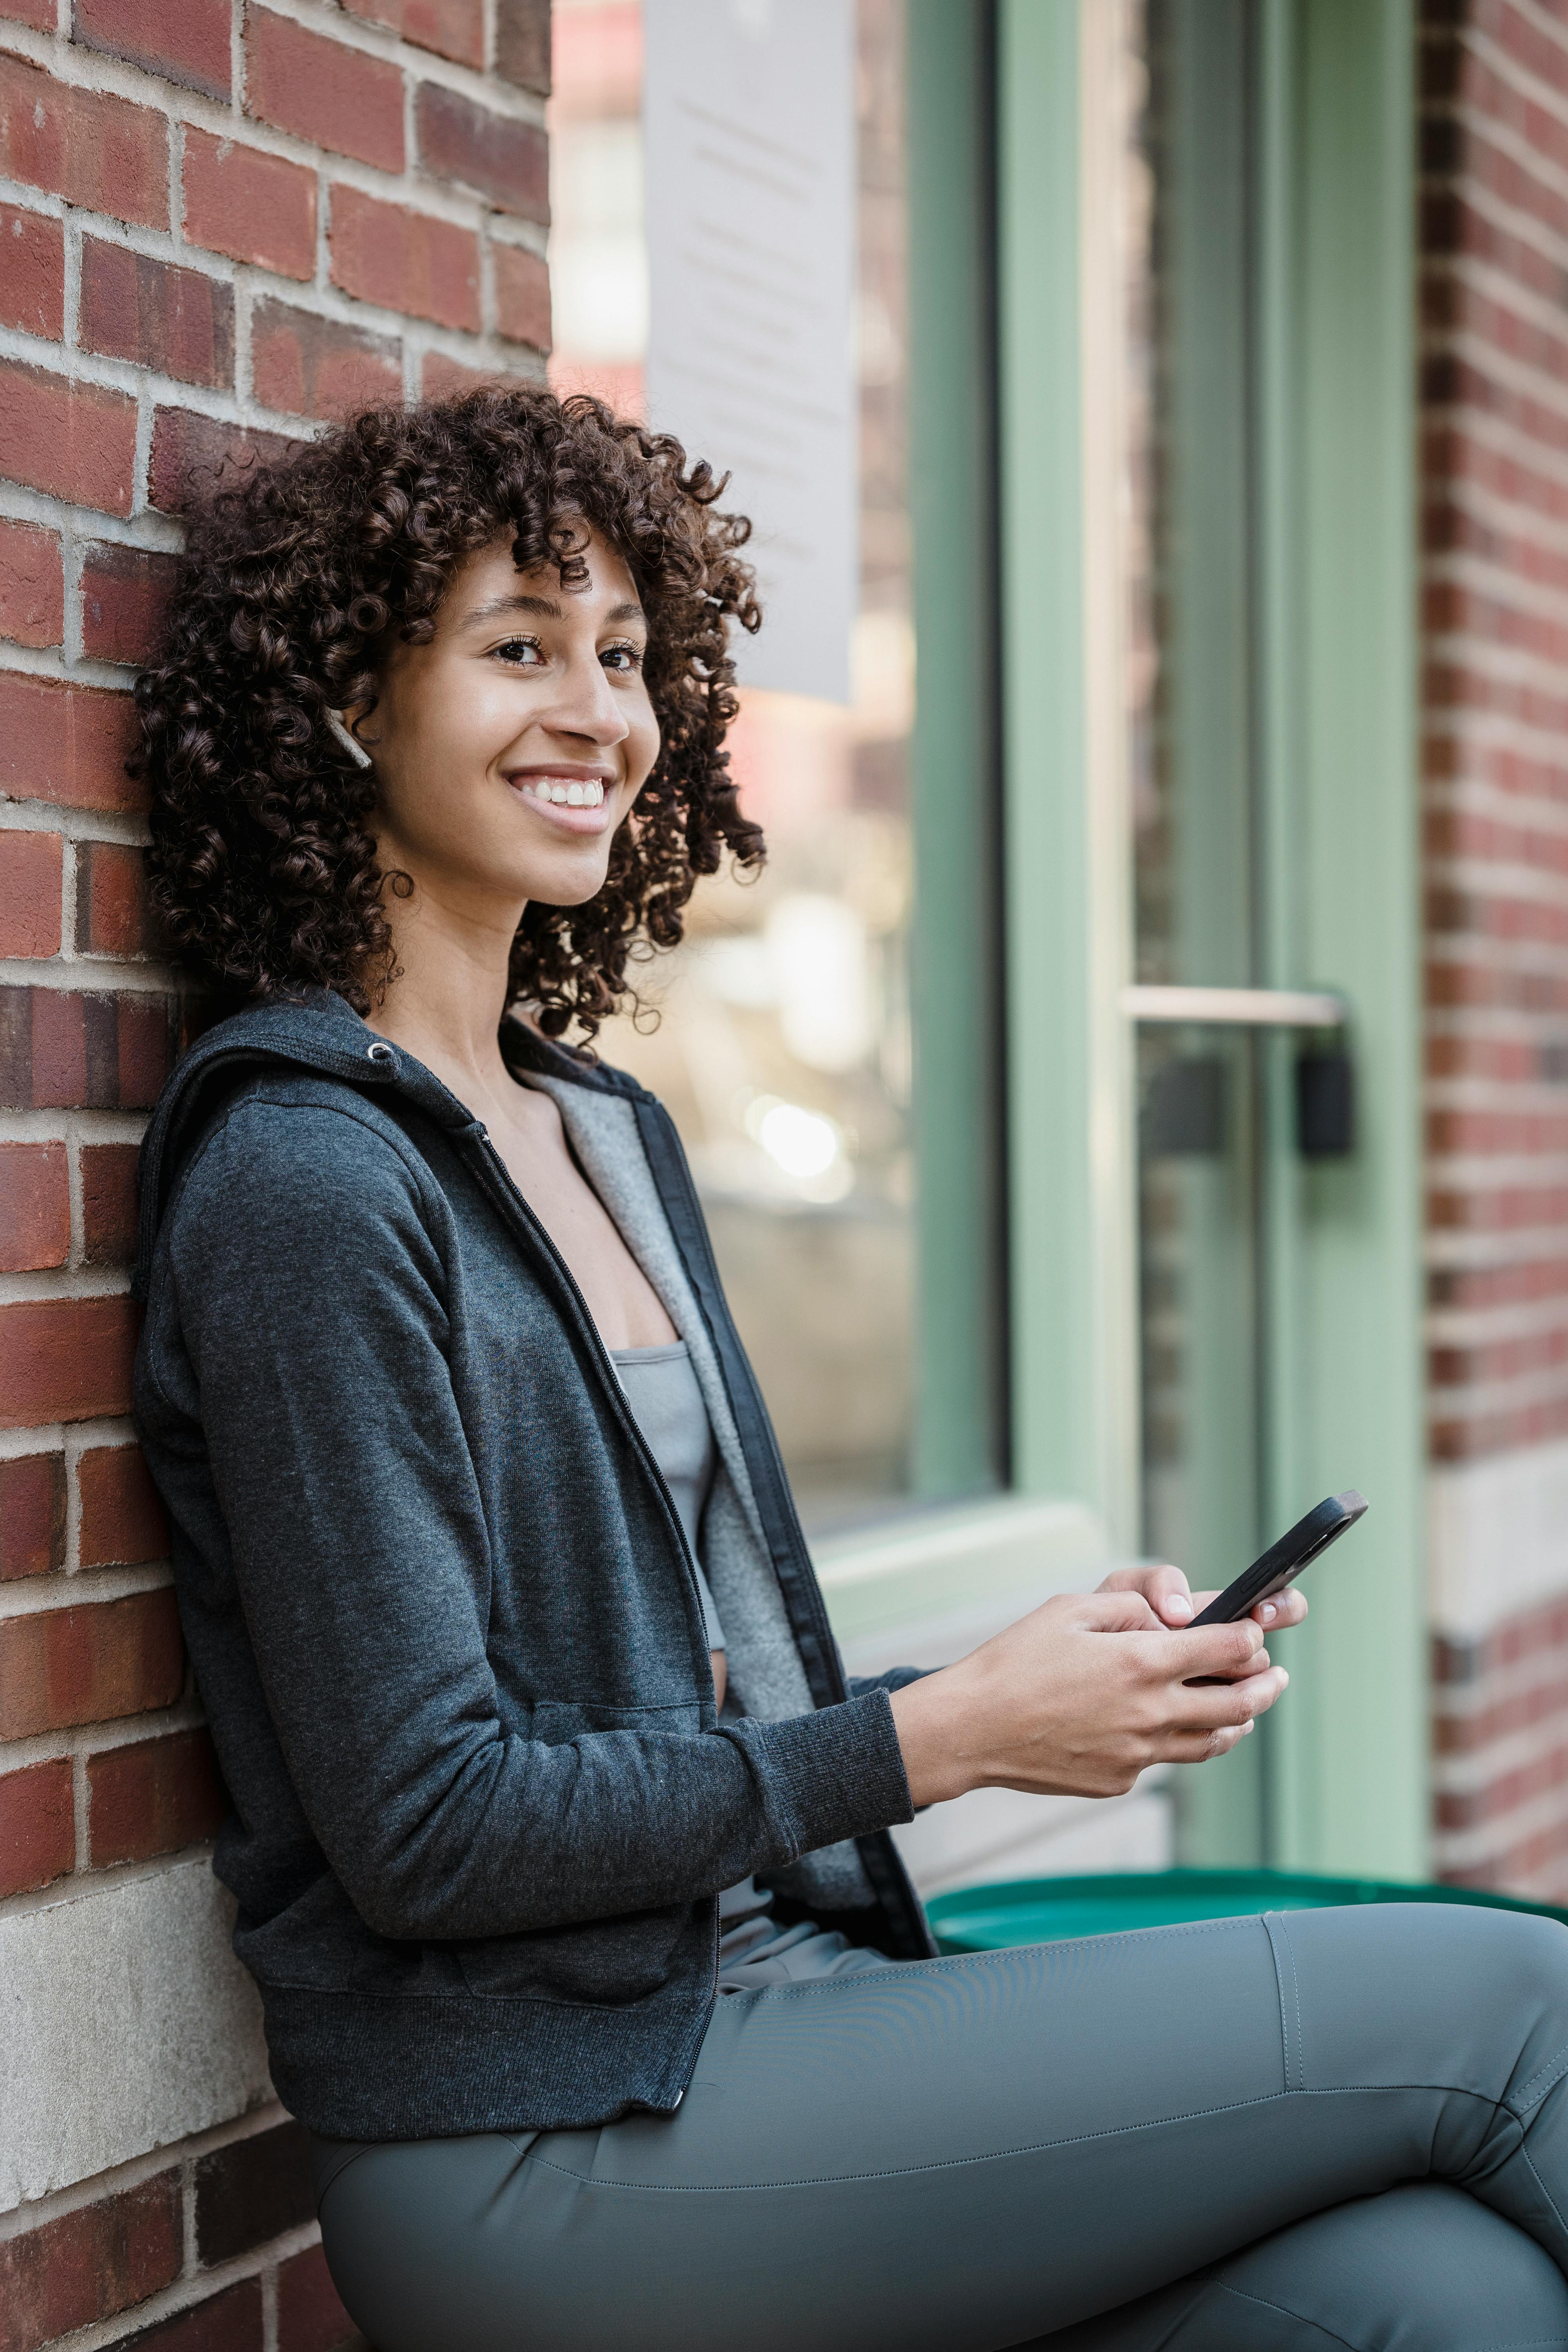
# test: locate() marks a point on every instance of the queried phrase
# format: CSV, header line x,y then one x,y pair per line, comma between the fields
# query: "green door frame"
x,y
1346,1767
1346,1764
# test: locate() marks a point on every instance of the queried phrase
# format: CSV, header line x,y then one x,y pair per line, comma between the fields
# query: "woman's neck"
x,y
451,990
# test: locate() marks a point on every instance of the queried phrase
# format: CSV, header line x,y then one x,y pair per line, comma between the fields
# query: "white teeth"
x,y
588,795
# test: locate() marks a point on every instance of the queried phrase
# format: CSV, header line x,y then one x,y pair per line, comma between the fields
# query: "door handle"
x,y
1243,1008
1325,1080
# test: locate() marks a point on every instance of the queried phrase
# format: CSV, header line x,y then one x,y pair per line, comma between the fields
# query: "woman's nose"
x,y
588,706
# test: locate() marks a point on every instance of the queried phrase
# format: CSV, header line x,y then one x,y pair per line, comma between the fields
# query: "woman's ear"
x,y
348,739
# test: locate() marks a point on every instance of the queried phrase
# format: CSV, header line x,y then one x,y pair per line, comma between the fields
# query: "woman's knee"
x,y
1422,2267
1458,1994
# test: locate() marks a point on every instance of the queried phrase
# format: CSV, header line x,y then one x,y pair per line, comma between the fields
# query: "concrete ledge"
x,y
1011,1550
126,2022
1499,1537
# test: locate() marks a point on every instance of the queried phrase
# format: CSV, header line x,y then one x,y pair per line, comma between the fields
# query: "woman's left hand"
x,y
1166,1591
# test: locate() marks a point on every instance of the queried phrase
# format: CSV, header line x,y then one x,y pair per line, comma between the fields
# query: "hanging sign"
x,y
748,159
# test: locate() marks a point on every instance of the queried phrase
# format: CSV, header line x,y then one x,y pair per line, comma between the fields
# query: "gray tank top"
x,y
667,1405
666,1399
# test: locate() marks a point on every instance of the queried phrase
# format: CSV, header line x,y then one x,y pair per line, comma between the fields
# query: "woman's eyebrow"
x,y
543,608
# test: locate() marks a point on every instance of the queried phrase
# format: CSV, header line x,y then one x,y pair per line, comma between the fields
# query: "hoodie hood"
x,y
322,1033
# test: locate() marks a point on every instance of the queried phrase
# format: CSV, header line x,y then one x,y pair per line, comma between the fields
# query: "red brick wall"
x,y
217,223
1494,395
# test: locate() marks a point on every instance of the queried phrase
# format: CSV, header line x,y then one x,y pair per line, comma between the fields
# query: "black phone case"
x,y
1284,1560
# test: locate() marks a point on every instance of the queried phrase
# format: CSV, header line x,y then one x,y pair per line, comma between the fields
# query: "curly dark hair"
x,y
294,583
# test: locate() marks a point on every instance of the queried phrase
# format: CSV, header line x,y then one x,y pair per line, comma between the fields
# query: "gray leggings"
x,y
1323,2128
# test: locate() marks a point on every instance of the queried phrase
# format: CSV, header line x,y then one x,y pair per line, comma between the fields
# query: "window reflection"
x,y
779,1033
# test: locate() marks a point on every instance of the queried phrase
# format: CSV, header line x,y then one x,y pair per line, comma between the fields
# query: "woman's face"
x,y
508,749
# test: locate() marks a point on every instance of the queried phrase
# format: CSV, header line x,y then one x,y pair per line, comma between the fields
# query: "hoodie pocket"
x,y
606,1961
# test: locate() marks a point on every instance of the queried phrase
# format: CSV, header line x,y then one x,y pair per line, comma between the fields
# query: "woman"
x,y
558,1839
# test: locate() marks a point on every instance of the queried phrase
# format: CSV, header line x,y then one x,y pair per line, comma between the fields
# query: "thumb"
x,y
1118,1612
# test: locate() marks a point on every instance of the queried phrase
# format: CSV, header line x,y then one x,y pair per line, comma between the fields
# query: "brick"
x,y
64,1051
32,1515
109,1208
184,41
38,1838
37,13
522,295
313,366
66,743
125,592
30,870
77,441
35,1207
404,260
330,94
194,456
311,2315
97,151
522,44
32,583
177,321
32,272
473,148
97,1663
441,377
251,2190
252,206
452,28
153,1796
65,1359
230,2322
112,916
123,1522
89,2264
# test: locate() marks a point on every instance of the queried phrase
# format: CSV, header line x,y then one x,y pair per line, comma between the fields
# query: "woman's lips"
x,y
580,804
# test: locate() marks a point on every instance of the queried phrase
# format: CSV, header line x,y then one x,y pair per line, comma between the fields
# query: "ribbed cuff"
x,y
838,1773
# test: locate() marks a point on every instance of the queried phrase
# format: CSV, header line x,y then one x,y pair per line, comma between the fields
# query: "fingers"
x,y
1287,1608
1218,1650
1164,1588
1228,1705
1167,1593
1117,1609
1203,1746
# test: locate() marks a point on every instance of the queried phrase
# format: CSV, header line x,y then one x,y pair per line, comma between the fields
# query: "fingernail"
x,y
1284,1677
1250,1725
1269,1612
1177,1604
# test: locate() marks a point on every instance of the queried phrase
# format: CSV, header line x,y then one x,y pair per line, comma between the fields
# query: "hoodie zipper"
x,y
511,1198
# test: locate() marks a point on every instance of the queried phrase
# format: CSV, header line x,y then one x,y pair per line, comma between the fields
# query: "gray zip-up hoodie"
x,y
440,1608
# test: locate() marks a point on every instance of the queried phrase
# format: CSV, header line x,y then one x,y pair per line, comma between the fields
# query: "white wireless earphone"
x,y
347,738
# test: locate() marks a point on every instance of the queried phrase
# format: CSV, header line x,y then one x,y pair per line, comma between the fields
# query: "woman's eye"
x,y
624,658
522,653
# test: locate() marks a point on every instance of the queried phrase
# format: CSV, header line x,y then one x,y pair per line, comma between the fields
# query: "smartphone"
x,y
1284,1560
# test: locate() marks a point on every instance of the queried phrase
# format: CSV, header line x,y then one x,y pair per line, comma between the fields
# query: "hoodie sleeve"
x,y
312,1299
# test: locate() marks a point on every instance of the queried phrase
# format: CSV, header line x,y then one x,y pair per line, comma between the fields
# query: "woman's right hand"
x,y
1080,1696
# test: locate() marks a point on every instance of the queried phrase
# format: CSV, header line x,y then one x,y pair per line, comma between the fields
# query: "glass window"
x,y
779,1033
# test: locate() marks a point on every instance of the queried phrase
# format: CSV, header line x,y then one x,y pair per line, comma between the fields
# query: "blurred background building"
x,y
1130,1105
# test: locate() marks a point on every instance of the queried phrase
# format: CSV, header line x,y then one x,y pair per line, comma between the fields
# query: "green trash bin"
x,y
1052,1910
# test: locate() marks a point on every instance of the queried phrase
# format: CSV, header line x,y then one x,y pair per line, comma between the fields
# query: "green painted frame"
x,y
1346,1780
1068,1366
960,1440
1345,1760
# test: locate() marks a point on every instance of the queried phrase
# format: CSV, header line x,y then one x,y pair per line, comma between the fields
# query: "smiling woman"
x,y
309,589
552,1800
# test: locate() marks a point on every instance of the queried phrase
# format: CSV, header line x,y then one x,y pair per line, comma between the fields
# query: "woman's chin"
x,y
567,877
